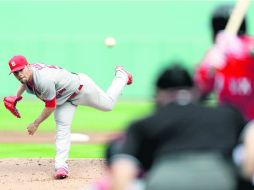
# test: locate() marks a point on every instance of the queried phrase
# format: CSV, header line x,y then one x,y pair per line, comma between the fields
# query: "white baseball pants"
x,y
90,95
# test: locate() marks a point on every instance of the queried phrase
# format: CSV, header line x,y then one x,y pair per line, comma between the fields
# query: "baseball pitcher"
x,y
61,91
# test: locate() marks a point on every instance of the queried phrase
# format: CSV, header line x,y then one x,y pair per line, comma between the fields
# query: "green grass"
x,y
48,151
85,119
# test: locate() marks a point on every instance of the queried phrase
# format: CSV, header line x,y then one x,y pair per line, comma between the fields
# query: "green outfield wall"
x,y
71,34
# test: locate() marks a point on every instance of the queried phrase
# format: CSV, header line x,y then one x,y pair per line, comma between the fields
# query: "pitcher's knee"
x,y
107,108
62,123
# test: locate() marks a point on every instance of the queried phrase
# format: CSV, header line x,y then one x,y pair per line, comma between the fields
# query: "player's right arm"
x,y
47,111
21,90
215,59
205,73
48,95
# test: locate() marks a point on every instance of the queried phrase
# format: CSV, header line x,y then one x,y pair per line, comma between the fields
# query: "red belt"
x,y
76,92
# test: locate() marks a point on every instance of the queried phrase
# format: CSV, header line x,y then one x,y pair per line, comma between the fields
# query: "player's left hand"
x,y
229,43
31,129
10,104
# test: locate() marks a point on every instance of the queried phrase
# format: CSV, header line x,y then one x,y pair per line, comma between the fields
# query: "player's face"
x,y
23,75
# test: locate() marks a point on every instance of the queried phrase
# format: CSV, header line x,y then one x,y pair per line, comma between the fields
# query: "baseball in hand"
x,y
110,41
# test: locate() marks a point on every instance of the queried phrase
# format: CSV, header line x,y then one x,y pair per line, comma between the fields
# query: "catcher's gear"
x,y
10,104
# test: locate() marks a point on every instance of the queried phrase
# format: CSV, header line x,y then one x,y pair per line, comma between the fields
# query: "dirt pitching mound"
x,y
37,174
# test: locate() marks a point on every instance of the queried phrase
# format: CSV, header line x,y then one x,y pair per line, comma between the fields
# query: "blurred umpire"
x,y
181,146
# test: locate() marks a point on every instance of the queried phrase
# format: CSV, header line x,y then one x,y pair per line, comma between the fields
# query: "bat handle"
x,y
237,16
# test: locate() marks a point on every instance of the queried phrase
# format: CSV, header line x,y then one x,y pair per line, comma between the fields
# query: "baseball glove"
x,y
10,104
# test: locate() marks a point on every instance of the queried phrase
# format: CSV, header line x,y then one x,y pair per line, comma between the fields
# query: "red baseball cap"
x,y
17,63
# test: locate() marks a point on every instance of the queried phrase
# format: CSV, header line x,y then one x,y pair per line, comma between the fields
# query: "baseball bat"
x,y
237,16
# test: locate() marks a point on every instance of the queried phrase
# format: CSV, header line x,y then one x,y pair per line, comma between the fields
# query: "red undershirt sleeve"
x,y
50,103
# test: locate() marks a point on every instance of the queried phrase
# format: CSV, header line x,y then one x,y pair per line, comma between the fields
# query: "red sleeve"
x,y
203,80
50,103
248,44
204,76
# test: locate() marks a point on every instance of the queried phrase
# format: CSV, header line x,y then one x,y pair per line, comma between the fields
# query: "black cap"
x,y
174,77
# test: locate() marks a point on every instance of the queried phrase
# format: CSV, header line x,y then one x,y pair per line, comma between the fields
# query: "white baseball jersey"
x,y
52,81
57,84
